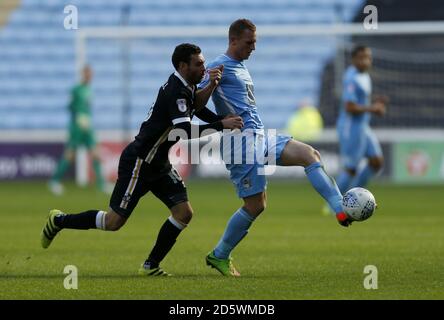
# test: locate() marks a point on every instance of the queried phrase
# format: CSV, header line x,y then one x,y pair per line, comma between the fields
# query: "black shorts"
x,y
136,178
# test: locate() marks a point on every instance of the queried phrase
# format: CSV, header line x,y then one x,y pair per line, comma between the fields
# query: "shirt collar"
x,y
231,58
185,83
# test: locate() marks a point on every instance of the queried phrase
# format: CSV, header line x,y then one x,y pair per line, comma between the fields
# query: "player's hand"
x,y
378,108
343,219
232,122
215,75
382,98
83,122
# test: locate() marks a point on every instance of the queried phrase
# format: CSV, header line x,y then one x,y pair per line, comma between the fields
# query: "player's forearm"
x,y
207,115
203,95
193,131
356,109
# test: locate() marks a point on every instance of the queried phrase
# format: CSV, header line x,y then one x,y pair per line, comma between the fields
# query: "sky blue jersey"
x,y
357,88
235,92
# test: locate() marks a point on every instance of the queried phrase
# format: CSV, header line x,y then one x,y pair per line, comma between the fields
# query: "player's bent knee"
x,y
316,155
115,226
311,155
183,213
114,221
256,204
376,163
256,209
186,216
262,207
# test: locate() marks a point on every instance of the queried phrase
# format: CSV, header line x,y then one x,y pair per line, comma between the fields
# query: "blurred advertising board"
x,y
26,161
421,162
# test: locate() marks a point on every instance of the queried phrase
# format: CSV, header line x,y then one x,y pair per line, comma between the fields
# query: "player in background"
x,y
80,134
144,165
356,139
306,122
235,95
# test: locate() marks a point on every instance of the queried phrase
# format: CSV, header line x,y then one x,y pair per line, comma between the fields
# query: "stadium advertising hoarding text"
x,y
23,161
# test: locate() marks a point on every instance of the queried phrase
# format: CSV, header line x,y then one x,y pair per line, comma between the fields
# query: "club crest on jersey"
x,y
182,105
351,88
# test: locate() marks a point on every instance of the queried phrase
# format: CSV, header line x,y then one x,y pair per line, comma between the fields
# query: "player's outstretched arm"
x,y
377,107
193,131
207,115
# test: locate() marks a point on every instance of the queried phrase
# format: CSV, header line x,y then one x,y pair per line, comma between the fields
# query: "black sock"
x,y
165,240
84,220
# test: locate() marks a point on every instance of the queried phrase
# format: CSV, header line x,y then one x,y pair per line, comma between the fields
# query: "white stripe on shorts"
x,y
132,184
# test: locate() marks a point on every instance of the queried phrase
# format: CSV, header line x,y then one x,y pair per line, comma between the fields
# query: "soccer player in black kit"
x,y
144,164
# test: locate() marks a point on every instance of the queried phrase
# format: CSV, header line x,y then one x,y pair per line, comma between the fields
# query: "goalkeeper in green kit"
x,y
80,134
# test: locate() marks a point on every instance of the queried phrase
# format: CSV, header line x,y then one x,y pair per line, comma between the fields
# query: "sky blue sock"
x,y
324,185
344,181
363,177
237,228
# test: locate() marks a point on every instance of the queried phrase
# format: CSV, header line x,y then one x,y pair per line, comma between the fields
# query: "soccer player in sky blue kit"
x,y
356,139
235,95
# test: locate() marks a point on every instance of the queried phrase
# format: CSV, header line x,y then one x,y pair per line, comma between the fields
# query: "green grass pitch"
x,y
291,252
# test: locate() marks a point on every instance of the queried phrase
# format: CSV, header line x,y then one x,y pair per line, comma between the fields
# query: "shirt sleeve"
x,y
350,91
178,109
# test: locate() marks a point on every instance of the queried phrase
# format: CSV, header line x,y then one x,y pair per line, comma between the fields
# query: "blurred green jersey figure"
x,y
80,134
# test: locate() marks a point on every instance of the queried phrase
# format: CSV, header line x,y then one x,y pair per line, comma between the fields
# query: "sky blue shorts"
x,y
355,143
246,158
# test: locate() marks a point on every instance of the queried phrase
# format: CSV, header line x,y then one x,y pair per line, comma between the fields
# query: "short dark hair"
x,y
239,26
358,48
183,53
